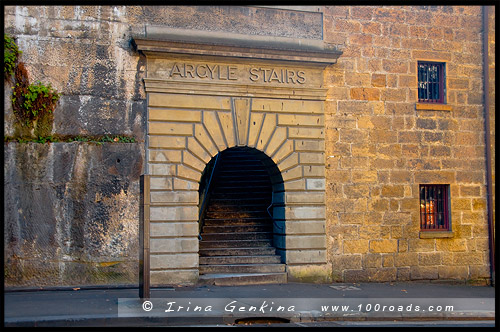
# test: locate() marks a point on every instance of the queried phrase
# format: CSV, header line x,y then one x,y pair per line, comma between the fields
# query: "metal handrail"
x,y
275,224
206,190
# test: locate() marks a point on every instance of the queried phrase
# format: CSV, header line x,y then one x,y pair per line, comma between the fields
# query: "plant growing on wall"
x,y
11,54
33,104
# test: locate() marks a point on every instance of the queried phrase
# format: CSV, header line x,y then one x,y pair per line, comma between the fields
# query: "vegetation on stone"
x,y
68,139
11,55
33,104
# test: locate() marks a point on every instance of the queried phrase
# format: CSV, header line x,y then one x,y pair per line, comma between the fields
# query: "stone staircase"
x,y
236,238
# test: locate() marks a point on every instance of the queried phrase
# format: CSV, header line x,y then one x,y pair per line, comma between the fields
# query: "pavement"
x,y
297,304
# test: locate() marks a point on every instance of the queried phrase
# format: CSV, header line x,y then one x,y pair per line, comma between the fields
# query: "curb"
x,y
302,317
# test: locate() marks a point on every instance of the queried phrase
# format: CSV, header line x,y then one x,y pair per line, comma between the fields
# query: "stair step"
x,y
241,183
237,221
228,202
232,173
244,185
241,178
237,208
238,189
238,279
236,236
238,195
235,244
242,268
235,194
240,201
237,229
255,251
236,215
261,259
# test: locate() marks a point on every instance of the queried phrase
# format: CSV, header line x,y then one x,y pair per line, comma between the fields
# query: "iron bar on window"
x,y
434,210
430,82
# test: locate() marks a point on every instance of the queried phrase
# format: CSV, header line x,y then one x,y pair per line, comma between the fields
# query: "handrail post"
x,y
144,232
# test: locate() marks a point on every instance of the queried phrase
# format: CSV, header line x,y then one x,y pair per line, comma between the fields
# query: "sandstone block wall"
x,y
380,147
187,131
491,94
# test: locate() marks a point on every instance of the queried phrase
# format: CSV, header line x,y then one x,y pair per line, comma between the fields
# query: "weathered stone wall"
x,y
85,53
71,213
380,148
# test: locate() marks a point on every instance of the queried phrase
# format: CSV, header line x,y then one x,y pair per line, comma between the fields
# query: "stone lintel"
x,y
154,85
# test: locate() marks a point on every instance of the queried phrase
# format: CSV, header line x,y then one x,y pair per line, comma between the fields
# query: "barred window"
x,y
434,207
431,82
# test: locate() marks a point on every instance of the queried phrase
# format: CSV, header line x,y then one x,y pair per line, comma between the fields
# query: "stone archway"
x,y
240,240
200,104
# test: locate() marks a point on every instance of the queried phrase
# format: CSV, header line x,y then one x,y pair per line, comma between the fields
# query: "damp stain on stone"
x,y
73,222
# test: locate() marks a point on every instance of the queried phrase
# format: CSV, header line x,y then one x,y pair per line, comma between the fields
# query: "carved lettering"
x,y
230,73
290,76
254,74
175,70
202,74
211,70
274,76
188,71
222,77
271,75
301,77
266,77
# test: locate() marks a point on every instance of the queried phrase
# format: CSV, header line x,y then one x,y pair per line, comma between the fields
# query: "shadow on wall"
x,y
71,213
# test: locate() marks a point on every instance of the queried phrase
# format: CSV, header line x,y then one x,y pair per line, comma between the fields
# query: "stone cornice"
x,y
159,41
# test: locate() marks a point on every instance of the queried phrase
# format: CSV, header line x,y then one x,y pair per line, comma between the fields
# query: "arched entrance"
x,y
203,100
240,190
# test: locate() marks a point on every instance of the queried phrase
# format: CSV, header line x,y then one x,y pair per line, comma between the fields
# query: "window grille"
x,y
434,208
431,82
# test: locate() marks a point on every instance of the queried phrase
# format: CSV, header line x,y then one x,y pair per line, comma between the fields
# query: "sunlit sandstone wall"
x,y
380,147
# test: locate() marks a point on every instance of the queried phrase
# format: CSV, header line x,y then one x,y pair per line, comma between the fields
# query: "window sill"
x,y
436,234
433,107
